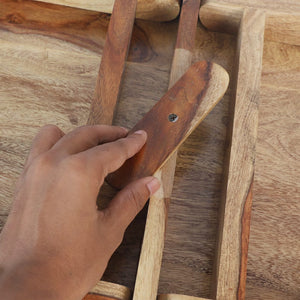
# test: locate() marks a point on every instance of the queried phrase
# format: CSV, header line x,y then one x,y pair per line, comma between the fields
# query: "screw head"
x,y
173,118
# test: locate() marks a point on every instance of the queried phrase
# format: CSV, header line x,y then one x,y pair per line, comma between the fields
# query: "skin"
x,y
56,243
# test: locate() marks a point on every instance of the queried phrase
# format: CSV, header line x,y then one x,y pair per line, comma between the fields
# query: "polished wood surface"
x,y
189,101
48,73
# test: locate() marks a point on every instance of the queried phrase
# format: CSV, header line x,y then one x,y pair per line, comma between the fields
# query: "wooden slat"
x,y
113,62
106,95
155,10
147,278
236,207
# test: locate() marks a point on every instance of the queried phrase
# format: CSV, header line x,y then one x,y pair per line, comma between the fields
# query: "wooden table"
x,y
49,59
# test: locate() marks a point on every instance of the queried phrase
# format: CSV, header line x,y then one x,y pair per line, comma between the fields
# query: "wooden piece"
x,y
173,119
236,207
113,62
155,10
147,278
106,94
282,21
113,290
48,72
178,297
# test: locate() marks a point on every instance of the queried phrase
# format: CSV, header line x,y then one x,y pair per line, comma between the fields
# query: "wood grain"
x,y
236,207
108,289
149,267
155,10
48,68
178,297
113,62
190,99
282,19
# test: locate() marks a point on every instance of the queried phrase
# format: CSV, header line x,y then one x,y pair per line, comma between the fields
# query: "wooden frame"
x,y
230,275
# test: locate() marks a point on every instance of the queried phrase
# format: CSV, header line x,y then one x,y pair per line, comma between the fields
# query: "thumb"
x,y
130,201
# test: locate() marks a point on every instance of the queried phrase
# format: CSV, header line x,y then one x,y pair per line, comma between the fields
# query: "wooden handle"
x,y
173,119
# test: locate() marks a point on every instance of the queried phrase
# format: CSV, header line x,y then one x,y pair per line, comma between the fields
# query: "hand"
x,y
56,243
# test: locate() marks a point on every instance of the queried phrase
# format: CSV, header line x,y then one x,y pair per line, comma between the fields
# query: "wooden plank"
x,y
282,18
113,62
236,207
147,278
156,10
171,120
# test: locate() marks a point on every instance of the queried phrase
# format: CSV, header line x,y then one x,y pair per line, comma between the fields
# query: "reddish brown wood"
x,y
113,61
188,17
183,100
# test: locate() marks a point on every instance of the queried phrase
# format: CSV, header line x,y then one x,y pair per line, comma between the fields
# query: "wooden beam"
x,y
155,10
231,263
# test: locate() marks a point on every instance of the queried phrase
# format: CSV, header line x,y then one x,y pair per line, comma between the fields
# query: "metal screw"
x,y
173,118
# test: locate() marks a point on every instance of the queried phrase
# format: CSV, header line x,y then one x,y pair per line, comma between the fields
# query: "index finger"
x,y
109,157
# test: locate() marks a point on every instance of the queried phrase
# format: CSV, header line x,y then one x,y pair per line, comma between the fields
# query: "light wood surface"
x,y
149,267
235,210
48,71
282,18
112,290
190,99
155,10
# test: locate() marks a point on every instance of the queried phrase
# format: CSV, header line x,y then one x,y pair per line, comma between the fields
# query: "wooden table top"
x,y
49,59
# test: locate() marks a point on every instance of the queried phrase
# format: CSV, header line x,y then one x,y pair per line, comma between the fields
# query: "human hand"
x,y
56,243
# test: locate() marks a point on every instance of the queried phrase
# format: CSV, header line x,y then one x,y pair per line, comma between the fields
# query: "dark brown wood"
x,y
113,62
172,120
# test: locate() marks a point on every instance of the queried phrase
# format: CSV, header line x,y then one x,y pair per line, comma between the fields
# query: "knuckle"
x,y
52,129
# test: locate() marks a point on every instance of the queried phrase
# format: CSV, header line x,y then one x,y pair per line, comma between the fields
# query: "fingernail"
x,y
124,128
153,185
140,132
